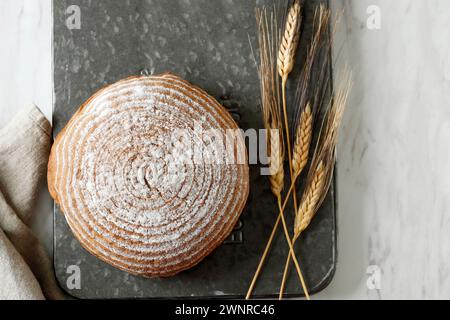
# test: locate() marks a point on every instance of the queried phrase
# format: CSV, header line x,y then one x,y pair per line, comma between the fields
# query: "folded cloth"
x,y
26,272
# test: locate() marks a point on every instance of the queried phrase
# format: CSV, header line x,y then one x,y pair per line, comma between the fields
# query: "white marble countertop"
x,y
393,161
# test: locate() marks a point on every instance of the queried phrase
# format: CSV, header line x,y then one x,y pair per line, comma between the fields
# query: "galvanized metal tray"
x,y
206,42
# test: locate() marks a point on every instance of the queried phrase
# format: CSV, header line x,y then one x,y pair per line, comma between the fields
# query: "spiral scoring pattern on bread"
x,y
125,193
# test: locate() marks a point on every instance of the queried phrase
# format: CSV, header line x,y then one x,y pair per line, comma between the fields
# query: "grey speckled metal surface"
x,y
206,42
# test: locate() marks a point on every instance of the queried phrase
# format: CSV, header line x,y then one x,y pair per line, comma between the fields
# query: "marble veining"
x,y
394,156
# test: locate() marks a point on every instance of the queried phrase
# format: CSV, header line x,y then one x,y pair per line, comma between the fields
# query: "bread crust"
x,y
119,195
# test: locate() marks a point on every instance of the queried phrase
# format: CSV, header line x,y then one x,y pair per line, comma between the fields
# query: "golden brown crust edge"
x,y
214,244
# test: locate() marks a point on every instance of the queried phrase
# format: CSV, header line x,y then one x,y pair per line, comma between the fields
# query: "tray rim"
x,y
323,284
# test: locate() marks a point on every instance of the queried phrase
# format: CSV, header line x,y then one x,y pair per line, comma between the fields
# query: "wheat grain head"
x,y
276,168
312,89
310,199
270,96
323,162
289,42
302,142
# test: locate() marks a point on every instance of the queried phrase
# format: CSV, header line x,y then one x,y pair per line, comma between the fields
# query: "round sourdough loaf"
x,y
142,182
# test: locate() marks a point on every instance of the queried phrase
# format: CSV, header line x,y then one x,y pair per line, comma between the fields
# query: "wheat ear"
x,y
303,137
309,201
285,64
289,42
276,169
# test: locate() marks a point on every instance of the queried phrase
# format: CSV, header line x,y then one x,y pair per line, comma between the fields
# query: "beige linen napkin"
x,y
26,272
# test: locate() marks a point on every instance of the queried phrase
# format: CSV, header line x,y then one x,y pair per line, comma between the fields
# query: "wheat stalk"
x,y
270,98
271,118
324,160
302,142
285,64
289,42
322,167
